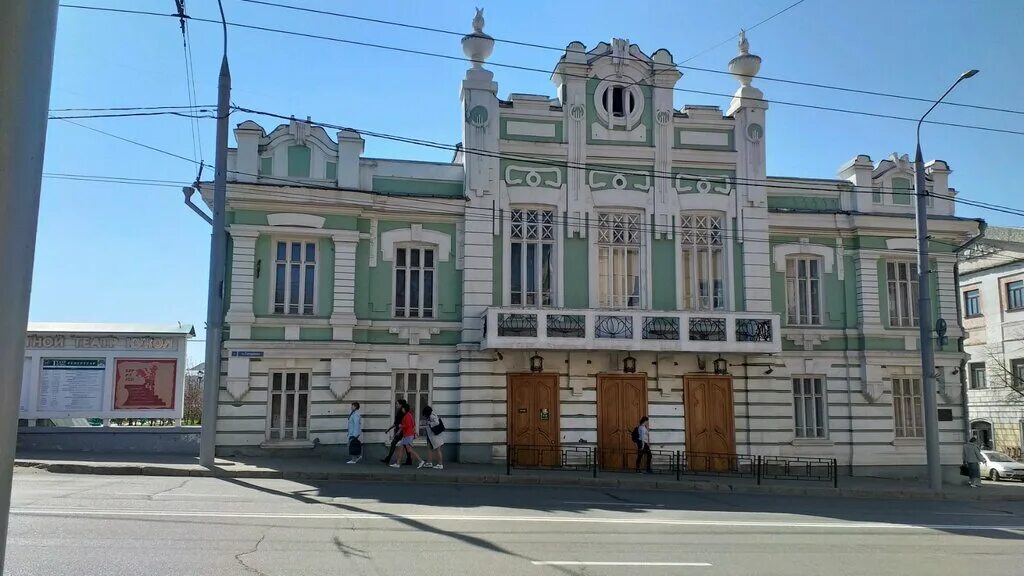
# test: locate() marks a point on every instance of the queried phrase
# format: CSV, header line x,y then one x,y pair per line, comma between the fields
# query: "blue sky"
x,y
128,253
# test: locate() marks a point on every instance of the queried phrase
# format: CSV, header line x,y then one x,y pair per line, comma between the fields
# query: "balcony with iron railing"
x,y
634,330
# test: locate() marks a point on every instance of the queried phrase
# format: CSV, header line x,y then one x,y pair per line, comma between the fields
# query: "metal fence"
x,y
592,459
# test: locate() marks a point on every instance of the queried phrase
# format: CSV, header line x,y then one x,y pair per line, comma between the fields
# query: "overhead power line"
x,y
538,70
734,36
548,161
679,66
212,114
133,108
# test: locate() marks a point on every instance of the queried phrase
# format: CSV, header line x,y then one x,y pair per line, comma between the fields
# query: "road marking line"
x,y
1004,514
542,519
573,563
613,503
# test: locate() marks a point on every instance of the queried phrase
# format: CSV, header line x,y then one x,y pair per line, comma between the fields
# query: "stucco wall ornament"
x,y
514,175
577,112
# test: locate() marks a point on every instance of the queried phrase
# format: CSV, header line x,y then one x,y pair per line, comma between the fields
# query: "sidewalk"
x,y
322,469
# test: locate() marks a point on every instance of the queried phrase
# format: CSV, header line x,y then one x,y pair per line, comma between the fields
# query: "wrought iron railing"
x,y
567,326
590,459
799,468
753,330
577,457
517,325
614,327
661,328
707,329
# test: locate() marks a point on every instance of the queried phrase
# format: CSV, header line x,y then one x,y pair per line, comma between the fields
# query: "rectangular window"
x,y
810,418
803,290
331,171
618,260
295,277
289,406
1015,295
531,257
876,194
701,238
298,161
414,282
1017,374
902,282
972,303
414,387
266,166
977,375
907,407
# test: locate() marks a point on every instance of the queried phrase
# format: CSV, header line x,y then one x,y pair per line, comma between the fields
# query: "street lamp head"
x,y
968,74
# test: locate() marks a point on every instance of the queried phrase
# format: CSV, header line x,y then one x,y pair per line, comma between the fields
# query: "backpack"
x,y
635,434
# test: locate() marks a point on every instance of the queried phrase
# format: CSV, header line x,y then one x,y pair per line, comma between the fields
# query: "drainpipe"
x,y
982,226
846,360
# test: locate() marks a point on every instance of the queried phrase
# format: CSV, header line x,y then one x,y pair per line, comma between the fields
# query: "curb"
x,y
497,479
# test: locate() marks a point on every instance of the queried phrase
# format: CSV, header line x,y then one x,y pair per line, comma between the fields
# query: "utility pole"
x,y
28,28
924,308
218,250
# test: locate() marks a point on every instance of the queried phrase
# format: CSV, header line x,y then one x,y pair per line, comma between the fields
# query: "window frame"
x,y
317,254
540,241
416,407
691,255
967,298
408,247
608,282
907,392
1017,373
818,398
283,393
1017,287
792,283
973,382
910,320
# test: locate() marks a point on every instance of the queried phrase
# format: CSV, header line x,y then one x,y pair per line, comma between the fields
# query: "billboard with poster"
x,y
145,384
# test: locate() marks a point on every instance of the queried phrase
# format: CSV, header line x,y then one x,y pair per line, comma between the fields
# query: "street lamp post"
x,y
924,307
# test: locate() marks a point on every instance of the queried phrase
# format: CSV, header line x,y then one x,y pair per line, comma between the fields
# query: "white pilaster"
x,y
240,317
343,316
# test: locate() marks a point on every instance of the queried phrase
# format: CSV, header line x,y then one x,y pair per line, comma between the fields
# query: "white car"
x,y
998,466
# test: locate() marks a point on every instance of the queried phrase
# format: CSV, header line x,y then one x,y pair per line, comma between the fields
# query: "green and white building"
x,y
585,259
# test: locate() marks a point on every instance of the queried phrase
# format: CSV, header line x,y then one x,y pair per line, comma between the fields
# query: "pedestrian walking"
x,y
355,433
407,430
642,438
972,459
396,436
435,438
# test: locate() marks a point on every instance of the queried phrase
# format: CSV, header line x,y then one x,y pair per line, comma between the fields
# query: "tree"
x,y
193,408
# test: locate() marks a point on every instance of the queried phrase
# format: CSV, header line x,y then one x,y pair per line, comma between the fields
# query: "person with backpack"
x,y
435,438
642,439
407,431
355,432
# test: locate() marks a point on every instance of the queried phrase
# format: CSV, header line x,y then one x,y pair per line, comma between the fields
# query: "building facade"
x,y
992,303
583,261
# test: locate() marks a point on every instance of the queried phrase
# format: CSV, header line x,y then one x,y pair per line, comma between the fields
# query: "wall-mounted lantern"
x,y
536,362
721,366
629,365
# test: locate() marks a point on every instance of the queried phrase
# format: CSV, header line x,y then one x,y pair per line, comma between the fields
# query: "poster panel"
x,y
26,385
71,385
143,384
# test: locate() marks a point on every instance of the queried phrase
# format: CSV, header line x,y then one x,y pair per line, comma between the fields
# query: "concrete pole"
x,y
924,316
28,28
924,308
218,252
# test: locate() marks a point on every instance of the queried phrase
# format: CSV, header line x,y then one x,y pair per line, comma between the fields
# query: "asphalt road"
x,y
112,525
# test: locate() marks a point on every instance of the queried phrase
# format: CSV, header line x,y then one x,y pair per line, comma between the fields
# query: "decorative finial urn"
x,y
478,46
746,65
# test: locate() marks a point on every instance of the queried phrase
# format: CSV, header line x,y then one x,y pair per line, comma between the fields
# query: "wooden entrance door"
x,y
533,429
710,427
621,402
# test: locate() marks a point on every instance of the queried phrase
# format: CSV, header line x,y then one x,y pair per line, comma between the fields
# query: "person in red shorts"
x,y
408,431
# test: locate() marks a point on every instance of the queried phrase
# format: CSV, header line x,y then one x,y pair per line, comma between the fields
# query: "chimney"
x,y
350,148
247,158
